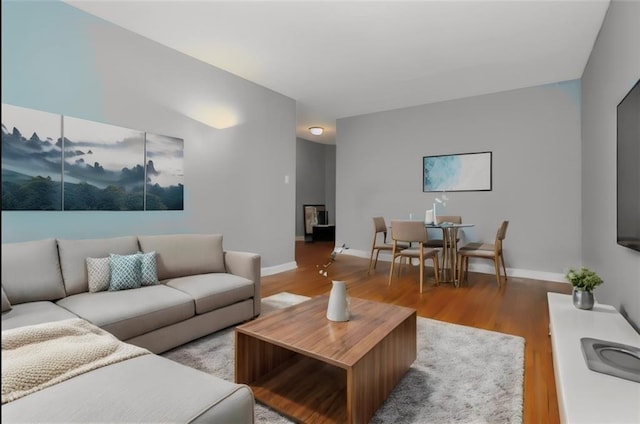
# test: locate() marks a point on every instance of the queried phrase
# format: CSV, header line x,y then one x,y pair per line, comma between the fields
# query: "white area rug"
x,y
461,375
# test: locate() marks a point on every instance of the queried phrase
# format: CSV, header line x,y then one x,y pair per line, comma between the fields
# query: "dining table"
x,y
450,231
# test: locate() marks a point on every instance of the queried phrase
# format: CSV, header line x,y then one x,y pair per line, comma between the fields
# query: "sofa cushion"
x,y
130,313
31,271
98,274
125,272
73,255
34,313
6,305
179,255
213,291
146,389
149,275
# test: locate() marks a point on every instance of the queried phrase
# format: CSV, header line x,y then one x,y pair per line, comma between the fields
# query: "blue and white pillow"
x,y
149,271
126,272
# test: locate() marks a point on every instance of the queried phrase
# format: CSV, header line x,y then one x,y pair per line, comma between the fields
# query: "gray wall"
x,y
239,138
534,134
315,179
613,68
330,181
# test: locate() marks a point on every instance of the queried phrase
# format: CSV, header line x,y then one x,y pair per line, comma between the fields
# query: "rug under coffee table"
x,y
311,369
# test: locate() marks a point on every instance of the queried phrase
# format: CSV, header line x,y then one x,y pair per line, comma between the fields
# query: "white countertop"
x,y
586,396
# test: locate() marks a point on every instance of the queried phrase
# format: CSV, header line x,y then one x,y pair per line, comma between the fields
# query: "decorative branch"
x,y
322,269
442,199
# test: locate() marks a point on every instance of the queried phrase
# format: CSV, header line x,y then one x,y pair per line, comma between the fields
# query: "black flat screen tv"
x,y
628,169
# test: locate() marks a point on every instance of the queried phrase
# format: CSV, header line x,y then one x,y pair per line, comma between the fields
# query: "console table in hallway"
x,y
324,233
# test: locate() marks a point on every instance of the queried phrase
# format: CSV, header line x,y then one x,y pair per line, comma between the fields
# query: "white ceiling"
x,y
346,58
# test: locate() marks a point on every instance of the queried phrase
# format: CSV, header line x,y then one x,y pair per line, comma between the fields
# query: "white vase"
x,y
338,308
428,216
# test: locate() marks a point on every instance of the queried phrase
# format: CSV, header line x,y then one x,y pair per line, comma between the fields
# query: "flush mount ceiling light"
x,y
316,130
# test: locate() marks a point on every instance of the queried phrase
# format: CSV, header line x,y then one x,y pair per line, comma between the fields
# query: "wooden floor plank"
x,y
518,308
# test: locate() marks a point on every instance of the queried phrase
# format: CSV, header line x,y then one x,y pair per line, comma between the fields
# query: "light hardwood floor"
x,y
519,308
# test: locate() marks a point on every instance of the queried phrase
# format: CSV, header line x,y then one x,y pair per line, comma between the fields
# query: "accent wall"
x,y
239,137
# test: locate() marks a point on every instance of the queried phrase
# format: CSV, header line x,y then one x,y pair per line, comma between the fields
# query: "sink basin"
x,y
616,359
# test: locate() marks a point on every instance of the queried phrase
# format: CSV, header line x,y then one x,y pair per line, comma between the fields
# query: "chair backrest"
x,y
409,231
379,226
500,235
502,230
454,219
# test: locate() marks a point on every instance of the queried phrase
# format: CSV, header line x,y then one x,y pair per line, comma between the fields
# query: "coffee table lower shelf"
x,y
319,396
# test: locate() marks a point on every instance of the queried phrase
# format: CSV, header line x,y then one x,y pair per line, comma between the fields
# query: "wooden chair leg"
x,y
496,265
393,261
371,262
503,267
444,261
435,269
466,268
421,270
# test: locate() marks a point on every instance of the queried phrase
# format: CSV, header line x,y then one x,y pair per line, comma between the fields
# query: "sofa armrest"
x,y
247,265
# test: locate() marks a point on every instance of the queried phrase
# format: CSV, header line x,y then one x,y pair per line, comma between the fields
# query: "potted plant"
x,y
583,281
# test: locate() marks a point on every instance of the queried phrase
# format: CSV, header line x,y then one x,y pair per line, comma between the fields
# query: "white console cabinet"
x,y
586,396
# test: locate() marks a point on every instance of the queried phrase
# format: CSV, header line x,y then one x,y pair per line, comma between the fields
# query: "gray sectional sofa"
x,y
200,289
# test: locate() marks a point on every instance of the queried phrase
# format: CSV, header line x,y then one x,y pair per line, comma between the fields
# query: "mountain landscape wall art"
x,y
31,159
165,173
50,162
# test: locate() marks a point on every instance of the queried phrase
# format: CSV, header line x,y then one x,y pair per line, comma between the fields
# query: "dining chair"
x,y
454,219
379,243
414,233
492,251
447,251
438,243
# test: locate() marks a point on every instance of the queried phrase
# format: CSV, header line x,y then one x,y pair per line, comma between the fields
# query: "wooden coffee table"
x,y
311,369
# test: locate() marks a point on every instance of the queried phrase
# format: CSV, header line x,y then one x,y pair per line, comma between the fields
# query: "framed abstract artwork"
x,y
457,172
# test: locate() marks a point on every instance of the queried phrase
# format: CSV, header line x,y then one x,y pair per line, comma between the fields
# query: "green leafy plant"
x,y
584,279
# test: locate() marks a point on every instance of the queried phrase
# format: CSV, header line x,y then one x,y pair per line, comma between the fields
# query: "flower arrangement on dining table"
x,y
430,215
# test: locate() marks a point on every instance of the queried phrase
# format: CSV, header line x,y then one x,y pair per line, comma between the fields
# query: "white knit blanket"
x,y
38,356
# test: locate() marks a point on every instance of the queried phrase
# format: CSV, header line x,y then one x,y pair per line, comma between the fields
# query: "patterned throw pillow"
x,y
149,268
99,274
125,272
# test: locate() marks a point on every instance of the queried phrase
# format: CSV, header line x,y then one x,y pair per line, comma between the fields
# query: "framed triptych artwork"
x,y
55,162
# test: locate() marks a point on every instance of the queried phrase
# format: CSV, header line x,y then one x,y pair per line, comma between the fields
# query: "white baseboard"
x,y
481,268
270,270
